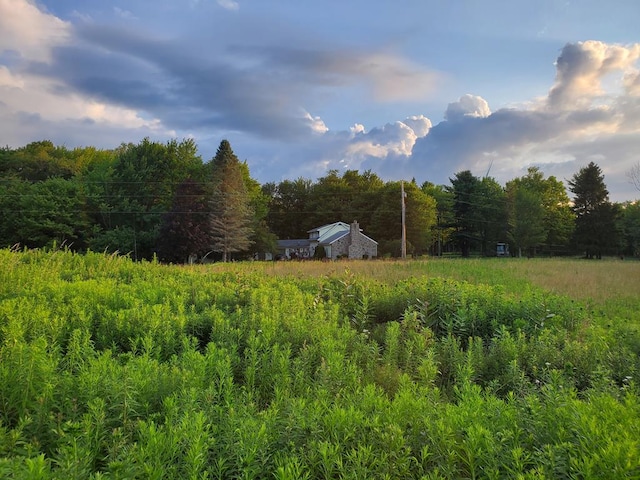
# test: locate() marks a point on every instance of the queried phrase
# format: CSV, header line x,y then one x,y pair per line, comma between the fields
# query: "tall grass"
x,y
597,281
426,369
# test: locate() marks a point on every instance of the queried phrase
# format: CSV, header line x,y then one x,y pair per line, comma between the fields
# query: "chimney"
x,y
354,230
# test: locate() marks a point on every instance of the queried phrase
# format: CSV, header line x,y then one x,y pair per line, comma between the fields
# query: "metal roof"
x,y
295,243
334,237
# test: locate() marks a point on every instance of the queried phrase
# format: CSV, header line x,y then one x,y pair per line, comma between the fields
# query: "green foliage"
x,y
230,208
420,217
445,221
630,220
526,220
39,161
111,368
184,234
479,210
596,231
320,253
41,214
539,212
288,213
133,200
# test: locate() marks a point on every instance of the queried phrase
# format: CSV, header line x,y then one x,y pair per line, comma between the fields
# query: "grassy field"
x,y
437,368
597,282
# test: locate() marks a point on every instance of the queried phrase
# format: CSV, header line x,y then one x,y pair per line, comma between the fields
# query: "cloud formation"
x,y
256,90
28,32
82,81
582,66
591,113
468,106
33,104
384,150
580,120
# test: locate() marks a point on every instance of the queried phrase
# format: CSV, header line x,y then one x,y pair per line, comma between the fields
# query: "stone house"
x,y
338,239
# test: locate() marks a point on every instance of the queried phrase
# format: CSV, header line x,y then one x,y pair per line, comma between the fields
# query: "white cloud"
x,y
357,129
29,31
391,140
419,124
63,81
229,4
592,113
600,123
632,83
359,148
315,124
34,106
467,106
581,68
25,94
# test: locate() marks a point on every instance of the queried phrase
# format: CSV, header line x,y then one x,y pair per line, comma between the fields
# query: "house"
x,y
338,239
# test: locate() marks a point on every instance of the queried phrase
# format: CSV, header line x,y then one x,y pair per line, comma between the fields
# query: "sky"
x,y
410,89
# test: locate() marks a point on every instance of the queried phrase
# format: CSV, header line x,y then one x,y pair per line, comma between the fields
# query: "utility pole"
x,y
403,248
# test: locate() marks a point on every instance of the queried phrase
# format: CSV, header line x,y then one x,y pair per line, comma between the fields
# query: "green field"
x,y
481,368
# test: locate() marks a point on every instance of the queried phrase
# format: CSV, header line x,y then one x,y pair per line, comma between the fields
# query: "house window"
x,y
314,235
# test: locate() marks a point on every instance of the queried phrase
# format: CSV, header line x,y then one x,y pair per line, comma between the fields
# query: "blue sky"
x,y
411,89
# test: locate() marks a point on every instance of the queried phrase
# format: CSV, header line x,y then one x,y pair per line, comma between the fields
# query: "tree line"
x,y
162,200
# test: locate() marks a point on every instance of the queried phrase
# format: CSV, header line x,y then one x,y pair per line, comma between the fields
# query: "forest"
x,y
162,200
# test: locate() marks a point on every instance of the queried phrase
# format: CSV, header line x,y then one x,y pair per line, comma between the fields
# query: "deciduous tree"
x,y
142,186
39,214
557,220
185,232
443,229
288,215
526,219
386,226
634,175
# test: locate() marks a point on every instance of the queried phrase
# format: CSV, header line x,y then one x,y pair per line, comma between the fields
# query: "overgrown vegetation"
x,y
115,369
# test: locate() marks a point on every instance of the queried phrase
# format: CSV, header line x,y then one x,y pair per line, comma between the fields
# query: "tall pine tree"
x,y
595,216
231,213
465,187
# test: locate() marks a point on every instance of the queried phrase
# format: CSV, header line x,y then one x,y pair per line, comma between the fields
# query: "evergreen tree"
x,y
444,229
490,203
630,221
465,187
595,215
231,216
263,240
